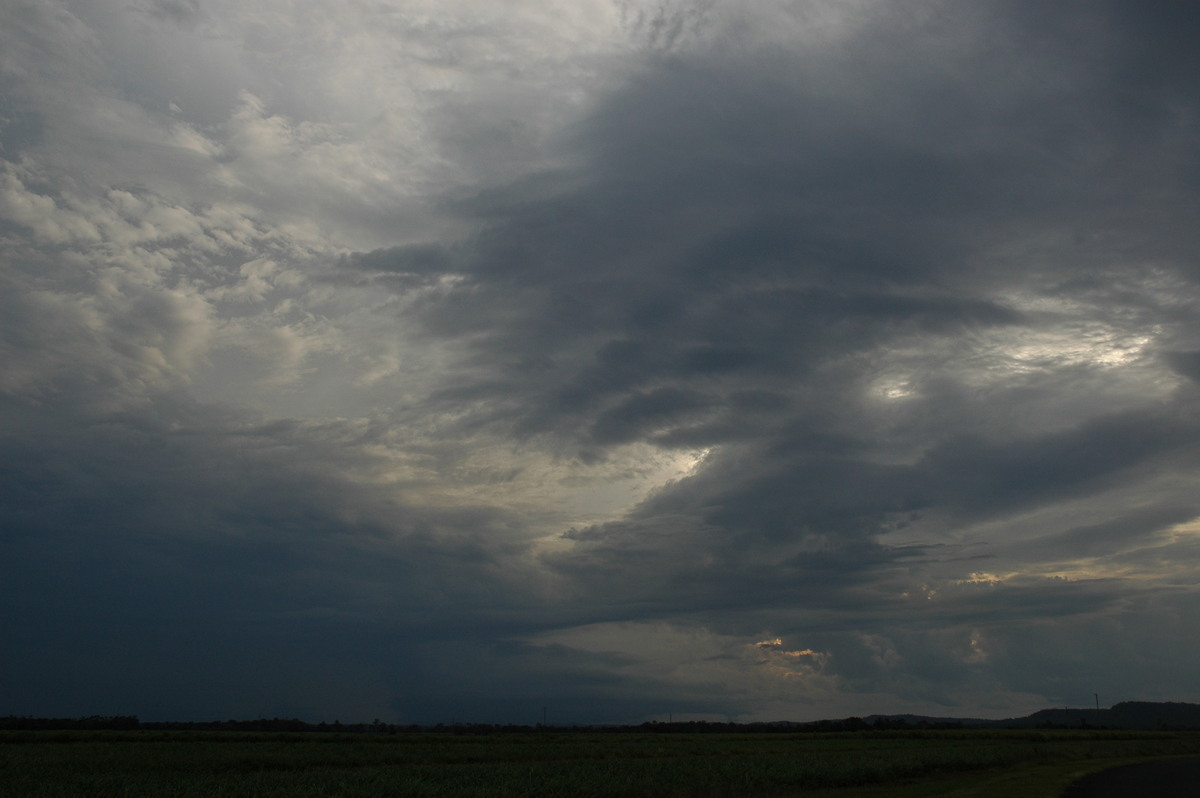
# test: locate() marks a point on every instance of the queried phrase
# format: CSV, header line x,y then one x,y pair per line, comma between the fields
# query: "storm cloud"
x,y
424,362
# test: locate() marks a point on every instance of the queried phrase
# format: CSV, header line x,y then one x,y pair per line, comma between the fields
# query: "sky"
x,y
464,360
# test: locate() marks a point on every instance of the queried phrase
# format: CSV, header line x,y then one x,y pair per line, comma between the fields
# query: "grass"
x,y
959,764
1022,781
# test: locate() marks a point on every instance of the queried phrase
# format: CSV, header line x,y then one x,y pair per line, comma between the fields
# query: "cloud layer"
x,y
424,362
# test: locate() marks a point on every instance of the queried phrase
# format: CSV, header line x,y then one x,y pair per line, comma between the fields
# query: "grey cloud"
x,y
1060,658
683,257
1130,530
900,298
175,10
415,259
1185,363
638,415
973,473
511,682
778,244
146,550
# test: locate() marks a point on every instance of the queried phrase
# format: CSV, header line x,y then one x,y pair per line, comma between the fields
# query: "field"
x,y
901,763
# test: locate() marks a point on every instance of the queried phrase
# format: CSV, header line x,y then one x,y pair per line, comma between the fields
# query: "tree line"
x,y
131,723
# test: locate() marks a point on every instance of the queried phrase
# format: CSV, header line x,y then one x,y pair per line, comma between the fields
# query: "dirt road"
x,y
1165,778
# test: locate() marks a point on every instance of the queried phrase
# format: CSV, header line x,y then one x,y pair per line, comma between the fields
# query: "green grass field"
x,y
898,764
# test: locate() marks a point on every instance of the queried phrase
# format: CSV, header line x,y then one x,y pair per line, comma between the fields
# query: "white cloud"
x,y
48,222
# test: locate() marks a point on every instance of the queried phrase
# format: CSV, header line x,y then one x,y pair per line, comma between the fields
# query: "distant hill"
x,y
1131,715
1143,715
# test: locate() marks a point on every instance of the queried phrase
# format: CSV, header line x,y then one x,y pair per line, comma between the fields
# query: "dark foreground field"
x,y
911,763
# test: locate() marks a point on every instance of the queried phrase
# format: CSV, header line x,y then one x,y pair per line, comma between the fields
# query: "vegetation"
x,y
37,764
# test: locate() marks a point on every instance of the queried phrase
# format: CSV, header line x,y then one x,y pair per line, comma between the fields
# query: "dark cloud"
x,y
974,474
1185,363
175,10
1137,529
787,226
736,270
138,554
417,263
852,373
